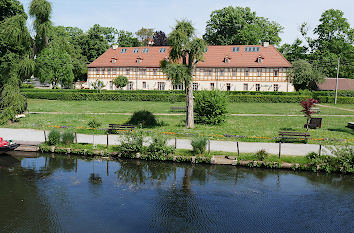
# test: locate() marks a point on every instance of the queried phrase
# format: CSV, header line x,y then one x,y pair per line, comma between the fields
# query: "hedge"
x,y
267,98
313,94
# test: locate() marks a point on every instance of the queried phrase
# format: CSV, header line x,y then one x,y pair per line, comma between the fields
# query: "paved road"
x,y
34,137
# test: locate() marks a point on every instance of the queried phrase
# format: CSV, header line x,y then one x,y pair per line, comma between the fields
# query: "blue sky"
x,y
162,14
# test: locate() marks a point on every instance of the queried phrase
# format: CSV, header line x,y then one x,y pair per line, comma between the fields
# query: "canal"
x,y
62,194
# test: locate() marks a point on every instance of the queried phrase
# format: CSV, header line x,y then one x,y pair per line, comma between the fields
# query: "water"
x,y
60,194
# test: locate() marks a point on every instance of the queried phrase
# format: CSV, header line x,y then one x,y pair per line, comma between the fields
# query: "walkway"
x,y
345,109
176,114
34,137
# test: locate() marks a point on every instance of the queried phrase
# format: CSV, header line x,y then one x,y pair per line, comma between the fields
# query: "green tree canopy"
x,y
9,8
127,39
294,51
304,76
120,81
145,35
54,65
238,25
334,39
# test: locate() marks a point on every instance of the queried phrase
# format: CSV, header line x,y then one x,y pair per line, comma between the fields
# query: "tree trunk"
x,y
190,106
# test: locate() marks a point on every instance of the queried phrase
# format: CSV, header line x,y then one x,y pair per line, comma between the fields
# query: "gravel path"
x,y
34,137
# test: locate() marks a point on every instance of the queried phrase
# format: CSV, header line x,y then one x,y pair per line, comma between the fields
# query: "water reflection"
x,y
59,193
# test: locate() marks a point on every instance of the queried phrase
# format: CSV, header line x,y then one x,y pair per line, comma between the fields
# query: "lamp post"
x,y
335,99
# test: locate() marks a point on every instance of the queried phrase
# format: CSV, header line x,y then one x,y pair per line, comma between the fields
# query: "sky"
x,y
131,15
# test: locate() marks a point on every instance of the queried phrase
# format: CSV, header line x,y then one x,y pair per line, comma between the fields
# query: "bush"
x,y
345,157
54,137
210,107
261,155
159,148
67,137
132,143
199,144
143,118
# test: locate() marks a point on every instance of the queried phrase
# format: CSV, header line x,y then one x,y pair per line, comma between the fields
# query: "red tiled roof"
x,y
343,84
214,57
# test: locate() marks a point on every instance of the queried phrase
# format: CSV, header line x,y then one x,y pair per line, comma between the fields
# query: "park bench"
x,y
112,128
178,109
293,135
350,125
314,123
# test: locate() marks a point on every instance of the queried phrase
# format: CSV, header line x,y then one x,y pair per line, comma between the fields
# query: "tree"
x,y
304,76
159,39
294,51
120,82
126,39
238,25
94,124
187,48
41,10
16,61
145,35
307,105
334,39
98,85
54,65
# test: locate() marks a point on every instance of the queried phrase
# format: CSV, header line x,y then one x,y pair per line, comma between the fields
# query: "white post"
x,y
335,99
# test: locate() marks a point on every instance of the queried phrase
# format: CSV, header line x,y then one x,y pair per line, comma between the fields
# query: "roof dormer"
x,y
260,59
139,60
113,60
227,59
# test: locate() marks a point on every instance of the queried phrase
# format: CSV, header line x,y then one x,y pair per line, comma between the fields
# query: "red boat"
x,y
6,146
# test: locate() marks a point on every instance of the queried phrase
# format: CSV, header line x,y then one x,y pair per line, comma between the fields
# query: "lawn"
x,y
256,128
164,107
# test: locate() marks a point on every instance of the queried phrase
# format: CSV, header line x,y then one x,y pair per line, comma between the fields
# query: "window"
x,y
259,72
212,86
235,49
145,50
258,87
234,72
131,86
178,87
208,72
195,86
138,60
227,59
136,50
143,71
251,49
162,50
97,71
111,85
276,87
228,86
259,60
245,86
161,86
206,50
109,71
155,71
102,70
123,50
127,71
114,60
221,73
246,72
114,70
144,85
276,73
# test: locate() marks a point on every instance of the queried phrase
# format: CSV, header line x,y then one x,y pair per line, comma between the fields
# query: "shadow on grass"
x,y
349,131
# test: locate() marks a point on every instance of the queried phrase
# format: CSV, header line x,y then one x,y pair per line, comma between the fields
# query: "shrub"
x,y
54,137
143,118
199,144
261,155
120,82
159,147
345,157
132,143
67,137
210,107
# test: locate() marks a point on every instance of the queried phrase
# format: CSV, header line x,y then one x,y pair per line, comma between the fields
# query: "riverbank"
x,y
312,162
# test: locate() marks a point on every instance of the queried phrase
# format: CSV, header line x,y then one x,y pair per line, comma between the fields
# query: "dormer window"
x,y
227,59
235,49
123,50
259,59
162,50
145,50
136,50
114,60
139,60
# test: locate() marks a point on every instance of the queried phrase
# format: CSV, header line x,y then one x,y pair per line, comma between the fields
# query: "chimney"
x,y
114,47
266,44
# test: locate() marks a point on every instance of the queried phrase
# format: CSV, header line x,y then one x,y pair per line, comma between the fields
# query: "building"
x,y
343,84
229,68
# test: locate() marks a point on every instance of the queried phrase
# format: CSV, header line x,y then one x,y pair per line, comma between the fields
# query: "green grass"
x,y
250,126
164,107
